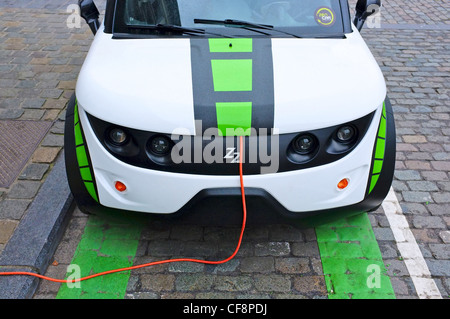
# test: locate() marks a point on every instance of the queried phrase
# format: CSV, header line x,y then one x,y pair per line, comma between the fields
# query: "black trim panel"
x,y
254,163
109,16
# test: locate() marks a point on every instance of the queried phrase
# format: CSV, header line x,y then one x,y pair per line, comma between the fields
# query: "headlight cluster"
x,y
120,141
295,151
306,145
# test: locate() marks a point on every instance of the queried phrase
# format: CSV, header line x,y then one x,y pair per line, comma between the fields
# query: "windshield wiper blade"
x,y
168,28
234,23
242,24
175,28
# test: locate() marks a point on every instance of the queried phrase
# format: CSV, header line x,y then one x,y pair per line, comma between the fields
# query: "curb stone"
x,y
35,239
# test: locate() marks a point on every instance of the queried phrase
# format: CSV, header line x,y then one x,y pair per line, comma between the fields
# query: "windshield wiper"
x,y
175,28
243,24
168,28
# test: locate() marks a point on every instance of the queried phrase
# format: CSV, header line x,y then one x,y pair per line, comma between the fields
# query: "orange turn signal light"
x,y
343,183
121,187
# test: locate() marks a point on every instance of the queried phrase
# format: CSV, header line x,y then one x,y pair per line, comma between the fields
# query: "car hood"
x,y
290,84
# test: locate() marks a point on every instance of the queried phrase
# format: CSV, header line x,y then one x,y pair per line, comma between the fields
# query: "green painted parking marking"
x,y
105,245
351,259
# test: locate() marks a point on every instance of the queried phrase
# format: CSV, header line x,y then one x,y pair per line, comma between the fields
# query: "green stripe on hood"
x,y
233,84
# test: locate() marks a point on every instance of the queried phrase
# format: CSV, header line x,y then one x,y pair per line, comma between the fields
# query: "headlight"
x,y
160,145
304,144
117,136
346,134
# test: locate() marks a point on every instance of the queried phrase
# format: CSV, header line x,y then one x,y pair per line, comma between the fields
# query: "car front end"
x,y
155,122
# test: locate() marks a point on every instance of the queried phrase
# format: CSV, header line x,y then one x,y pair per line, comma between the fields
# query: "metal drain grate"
x,y
18,141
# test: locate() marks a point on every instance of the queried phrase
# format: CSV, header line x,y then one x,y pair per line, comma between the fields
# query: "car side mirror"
x,y
364,9
89,12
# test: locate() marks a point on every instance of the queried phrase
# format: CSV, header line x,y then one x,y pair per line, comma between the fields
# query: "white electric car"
x,y
169,86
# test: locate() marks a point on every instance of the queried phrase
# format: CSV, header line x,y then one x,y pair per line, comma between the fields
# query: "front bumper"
x,y
293,194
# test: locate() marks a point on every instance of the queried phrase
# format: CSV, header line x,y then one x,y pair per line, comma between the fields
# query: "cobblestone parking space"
x,y
40,58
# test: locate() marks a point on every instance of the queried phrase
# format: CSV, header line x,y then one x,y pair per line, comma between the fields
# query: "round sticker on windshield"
x,y
325,16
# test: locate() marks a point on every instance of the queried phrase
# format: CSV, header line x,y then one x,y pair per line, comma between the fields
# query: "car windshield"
x,y
297,17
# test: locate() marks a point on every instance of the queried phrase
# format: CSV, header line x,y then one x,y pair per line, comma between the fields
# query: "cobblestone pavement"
x,y
418,13
40,59
39,62
416,67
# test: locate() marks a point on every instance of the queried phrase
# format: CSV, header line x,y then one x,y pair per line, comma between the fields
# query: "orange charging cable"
x,y
24,273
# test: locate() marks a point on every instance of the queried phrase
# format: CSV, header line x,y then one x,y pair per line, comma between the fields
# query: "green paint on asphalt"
x,y
351,259
107,243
